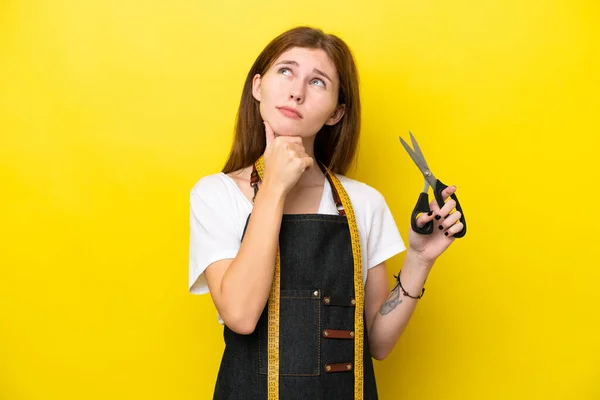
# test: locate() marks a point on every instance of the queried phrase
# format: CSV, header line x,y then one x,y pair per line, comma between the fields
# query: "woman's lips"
x,y
290,112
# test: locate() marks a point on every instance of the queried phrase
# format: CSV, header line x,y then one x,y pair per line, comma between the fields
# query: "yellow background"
x,y
111,110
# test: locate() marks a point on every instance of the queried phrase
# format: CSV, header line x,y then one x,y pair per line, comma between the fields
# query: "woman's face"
x,y
298,94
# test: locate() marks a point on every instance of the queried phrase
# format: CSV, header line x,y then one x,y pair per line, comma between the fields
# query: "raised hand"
x,y
446,224
285,160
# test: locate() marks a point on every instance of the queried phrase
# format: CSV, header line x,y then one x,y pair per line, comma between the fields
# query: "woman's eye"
x,y
320,82
285,71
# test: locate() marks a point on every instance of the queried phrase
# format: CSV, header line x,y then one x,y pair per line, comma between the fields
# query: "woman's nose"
x,y
297,91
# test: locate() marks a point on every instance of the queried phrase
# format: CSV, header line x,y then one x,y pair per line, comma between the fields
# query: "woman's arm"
x,y
240,287
388,313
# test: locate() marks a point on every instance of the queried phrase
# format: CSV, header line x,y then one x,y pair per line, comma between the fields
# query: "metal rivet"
x,y
351,334
327,300
326,333
327,368
349,366
353,302
316,293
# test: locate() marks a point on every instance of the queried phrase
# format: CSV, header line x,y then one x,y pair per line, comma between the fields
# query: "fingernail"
x,y
430,213
437,217
441,227
446,233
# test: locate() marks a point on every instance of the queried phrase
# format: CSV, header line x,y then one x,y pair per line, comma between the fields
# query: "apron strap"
x,y
274,295
255,180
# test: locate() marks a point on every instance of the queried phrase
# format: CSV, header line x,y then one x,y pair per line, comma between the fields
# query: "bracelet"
x,y
404,292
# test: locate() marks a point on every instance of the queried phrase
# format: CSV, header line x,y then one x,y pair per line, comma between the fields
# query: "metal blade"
x,y
418,149
420,162
415,157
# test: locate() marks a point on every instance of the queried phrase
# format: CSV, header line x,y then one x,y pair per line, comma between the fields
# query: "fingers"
x,y
445,210
285,159
308,162
270,136
454,229
448,192
423,218
433,205
296,152
435,212
449,222
445,220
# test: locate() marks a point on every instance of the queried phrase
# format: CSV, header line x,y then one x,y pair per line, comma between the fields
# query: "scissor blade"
x,y
418,160
415,157
418,149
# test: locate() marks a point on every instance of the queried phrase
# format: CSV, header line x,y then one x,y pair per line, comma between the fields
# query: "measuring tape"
x,y
273,318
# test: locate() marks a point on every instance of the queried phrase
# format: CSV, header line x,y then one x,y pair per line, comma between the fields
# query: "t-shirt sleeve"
x,y
213,232
384,240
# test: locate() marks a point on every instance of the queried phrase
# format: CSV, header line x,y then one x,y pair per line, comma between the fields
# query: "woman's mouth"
x,y
290,112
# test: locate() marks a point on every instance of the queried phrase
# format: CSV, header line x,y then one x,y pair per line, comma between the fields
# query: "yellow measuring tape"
x,y
273,318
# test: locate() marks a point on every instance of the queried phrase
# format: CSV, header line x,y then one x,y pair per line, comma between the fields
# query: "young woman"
x,y
293,252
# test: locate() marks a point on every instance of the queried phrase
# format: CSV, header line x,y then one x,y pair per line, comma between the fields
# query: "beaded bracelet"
x,y
404,291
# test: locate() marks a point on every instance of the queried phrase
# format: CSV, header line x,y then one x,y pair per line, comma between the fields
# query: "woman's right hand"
x,y
285,160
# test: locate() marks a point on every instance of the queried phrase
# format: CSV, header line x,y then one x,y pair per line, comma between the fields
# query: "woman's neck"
x,y
312,176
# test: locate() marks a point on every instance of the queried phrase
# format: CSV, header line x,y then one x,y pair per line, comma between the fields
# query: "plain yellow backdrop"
x,y
110,111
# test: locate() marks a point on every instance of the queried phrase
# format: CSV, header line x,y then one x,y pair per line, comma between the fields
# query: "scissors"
x,y
437,186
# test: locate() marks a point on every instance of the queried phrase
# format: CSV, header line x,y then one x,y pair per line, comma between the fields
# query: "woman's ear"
x,y
256,93
337,115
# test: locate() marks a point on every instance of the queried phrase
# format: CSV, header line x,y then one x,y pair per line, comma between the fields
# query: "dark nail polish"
x,y
441,227
437,217
446,216
446,233
430,213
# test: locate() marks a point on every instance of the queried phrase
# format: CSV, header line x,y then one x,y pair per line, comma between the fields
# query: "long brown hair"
x,y
335,145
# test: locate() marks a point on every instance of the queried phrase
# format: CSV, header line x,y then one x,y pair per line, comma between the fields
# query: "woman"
x,y
292,251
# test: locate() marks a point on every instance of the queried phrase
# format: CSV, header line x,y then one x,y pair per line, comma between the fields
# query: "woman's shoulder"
x,y
210,184
361,192
216,188
219,190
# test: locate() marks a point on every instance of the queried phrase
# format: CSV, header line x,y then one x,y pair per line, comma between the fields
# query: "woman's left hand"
x,y
445,225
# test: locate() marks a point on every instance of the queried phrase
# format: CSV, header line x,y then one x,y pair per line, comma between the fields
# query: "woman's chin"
x,y
286,129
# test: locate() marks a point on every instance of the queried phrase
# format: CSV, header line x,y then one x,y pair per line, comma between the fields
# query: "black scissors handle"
x,y
422,206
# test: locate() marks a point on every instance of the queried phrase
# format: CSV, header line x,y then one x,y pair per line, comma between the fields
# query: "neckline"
x,y
322,203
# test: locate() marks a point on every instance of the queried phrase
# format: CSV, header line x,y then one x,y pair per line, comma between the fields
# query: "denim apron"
x,y
316,323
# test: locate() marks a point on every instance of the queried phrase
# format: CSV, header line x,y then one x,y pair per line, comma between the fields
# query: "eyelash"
x,y
315,79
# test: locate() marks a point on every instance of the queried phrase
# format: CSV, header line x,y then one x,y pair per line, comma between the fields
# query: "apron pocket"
x,y
299,334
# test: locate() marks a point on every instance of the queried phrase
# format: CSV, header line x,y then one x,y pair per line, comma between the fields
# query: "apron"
x,y
316,320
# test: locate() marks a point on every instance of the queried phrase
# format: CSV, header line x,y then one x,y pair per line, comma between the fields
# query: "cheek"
x,y
325,107
271,88
265,97
267,104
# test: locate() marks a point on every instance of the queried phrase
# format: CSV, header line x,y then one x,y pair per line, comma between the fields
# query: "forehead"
x,y
309,59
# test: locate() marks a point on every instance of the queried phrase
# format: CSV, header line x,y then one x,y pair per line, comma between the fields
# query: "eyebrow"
x,y
318,71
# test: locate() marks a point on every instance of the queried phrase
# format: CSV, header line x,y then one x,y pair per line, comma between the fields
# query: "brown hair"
x,y
336,145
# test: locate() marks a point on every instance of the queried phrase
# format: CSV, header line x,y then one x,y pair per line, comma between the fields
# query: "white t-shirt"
x,y
219,209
